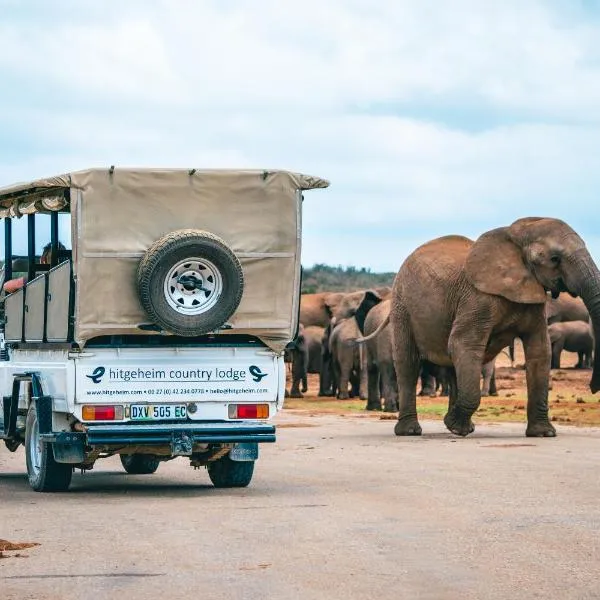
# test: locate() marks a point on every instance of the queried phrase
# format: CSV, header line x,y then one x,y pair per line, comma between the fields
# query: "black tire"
x,y
227,473
160,298
139,464
48,475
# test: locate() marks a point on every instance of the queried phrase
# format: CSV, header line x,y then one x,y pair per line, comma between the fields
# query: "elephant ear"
x,y
495,266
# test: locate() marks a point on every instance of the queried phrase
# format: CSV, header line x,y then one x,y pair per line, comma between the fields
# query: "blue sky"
x,y
428,117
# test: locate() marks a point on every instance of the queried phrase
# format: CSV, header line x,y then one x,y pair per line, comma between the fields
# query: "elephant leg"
x,y
557,349
343,380
537,364
373,396
488,387
451,387
466,351
325,377
390,387
442,381
428,383
295,391
580,361
407,363
363,390
354,380
493,388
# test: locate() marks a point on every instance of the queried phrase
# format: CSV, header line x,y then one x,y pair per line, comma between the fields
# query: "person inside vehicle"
x,y
20,276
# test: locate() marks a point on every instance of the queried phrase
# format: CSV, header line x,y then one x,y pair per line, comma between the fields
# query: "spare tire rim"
x,y
193,286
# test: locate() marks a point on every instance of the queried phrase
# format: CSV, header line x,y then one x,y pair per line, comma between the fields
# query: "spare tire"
x,y
190,282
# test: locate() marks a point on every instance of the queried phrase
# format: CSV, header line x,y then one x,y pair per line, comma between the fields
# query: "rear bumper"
x,y
157,434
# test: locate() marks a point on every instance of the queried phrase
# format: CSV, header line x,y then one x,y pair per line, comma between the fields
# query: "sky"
x,y
428,117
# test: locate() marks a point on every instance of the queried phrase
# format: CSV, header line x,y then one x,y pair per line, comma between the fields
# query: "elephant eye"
x,y
555,260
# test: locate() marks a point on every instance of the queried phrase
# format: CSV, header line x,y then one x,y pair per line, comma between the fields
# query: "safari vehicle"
x,y
160,333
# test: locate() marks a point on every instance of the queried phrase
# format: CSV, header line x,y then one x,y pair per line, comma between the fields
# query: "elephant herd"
x,y
454,306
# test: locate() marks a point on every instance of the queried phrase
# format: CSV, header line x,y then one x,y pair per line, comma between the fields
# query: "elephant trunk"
x,y
586,283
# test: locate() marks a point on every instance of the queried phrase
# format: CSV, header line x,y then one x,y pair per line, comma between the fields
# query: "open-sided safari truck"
x,y
159,330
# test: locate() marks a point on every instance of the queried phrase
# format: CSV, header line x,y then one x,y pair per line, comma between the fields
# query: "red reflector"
x,y
102,413
247,411
105,413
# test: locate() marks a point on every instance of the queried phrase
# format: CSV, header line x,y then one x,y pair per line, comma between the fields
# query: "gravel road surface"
x,y
338,508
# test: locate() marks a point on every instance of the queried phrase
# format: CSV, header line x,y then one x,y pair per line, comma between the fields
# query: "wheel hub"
x,y
193,286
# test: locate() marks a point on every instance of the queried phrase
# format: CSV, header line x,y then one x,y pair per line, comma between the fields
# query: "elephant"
x,y
318,309
458,302
566,308
304,353
348,361
572,336
380,364
381,374
314,335
296,353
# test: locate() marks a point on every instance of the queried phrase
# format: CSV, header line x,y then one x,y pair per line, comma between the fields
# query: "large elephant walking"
x,y
458,303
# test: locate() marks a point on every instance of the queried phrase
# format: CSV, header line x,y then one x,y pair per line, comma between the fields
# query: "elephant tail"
x,y
384,324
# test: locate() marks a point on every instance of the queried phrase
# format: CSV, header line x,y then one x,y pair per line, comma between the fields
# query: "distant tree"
x,y
325,278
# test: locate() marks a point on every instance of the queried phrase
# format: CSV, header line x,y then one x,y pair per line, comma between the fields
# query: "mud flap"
x,y
68,447
244,452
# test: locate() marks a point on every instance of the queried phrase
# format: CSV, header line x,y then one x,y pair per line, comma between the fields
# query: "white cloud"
x,y
428,117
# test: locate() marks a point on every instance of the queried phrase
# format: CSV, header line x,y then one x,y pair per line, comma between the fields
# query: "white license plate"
x,y
155,412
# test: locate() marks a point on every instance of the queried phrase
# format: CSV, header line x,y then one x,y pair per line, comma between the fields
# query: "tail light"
x,y
248,411
102,413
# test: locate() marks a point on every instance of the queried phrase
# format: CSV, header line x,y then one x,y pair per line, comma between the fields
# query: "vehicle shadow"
x,y
117,483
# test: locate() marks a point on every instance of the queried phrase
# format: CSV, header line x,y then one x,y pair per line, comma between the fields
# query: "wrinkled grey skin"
x,y
572,336
348,360
296,353
305,356
319,309
380,362
345,359
458,303
566,308
488,381
313,336
381,374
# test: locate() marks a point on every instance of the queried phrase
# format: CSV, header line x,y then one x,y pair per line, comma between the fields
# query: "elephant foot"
x,y
408,426
325,393
343,396
390,408
540,429
296,394
458,424
372,406
304,390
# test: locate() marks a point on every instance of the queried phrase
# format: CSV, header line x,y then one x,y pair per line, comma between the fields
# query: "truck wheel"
x,y
190,282
139,464
45,474
227,473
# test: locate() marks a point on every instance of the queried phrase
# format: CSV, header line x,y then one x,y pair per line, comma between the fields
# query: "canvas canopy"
x,y
117,214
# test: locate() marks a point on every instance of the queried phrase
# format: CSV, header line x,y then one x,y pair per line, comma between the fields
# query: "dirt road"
x,y
339,508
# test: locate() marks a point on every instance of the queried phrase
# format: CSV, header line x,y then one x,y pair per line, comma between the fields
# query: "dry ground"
x,y
571,401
